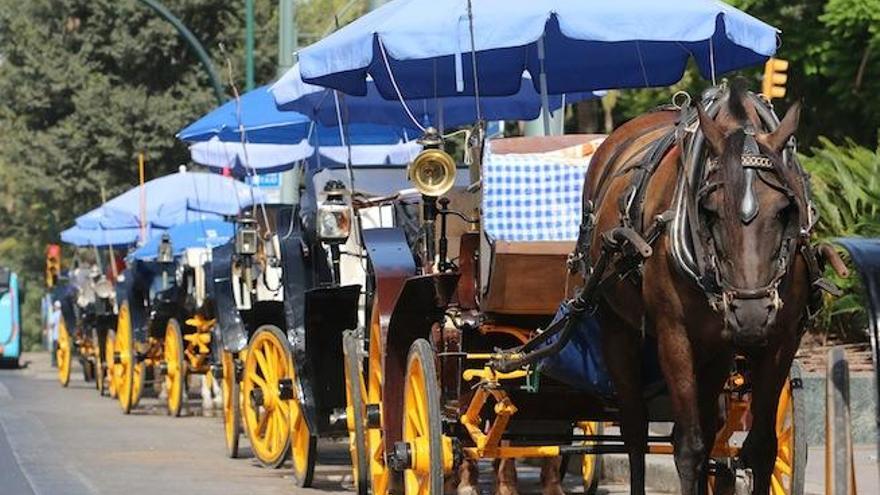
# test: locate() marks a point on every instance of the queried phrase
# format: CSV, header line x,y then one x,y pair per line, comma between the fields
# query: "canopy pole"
x,y
143,197
110,245
542,80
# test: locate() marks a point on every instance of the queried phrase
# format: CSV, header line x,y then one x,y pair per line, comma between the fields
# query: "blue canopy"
x,y
291,93
268,158
426,46
82,237
208,234
174,199
262,122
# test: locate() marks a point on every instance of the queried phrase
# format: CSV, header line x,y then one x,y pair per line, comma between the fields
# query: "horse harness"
x,y
625,248
692,246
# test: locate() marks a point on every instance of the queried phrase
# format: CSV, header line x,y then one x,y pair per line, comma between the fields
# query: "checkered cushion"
x,y
532,197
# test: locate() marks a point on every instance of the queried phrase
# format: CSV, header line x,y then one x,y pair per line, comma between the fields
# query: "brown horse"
x,y
749,219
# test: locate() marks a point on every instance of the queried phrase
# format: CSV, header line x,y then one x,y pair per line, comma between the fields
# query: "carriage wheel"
x,y
231,404
139,383
266,416
355,391
63,353
303,445
124,360
791,452
591,464
175,367
379,472
109,349
422,428
100,382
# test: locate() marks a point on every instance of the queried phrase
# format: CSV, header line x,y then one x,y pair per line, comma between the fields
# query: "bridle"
x,y
721,293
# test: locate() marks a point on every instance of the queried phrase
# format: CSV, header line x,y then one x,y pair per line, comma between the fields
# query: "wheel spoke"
x,y
776,487
782,466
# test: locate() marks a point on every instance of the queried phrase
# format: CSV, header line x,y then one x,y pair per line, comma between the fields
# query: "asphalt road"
x,y
56,441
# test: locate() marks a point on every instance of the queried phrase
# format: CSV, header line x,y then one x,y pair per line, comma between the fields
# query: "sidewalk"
x,y
662,477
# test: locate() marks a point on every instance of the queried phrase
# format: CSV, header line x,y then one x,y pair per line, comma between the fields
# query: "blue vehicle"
x,y
10,318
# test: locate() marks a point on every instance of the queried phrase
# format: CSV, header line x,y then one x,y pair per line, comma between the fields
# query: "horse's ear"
x,y
776,140
713,132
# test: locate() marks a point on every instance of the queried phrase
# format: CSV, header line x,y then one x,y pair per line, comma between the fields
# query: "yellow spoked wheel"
x,y
109,350
231,404
124,360
379,472
266,416
591,464
303,445
63,353
430,451
175,367
355,412
791,449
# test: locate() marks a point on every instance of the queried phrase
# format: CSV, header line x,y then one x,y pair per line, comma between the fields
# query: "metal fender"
x,y
232,329
328,312
865,255
421,305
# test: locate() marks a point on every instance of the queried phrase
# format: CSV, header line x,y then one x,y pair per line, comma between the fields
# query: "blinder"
x,y
755,165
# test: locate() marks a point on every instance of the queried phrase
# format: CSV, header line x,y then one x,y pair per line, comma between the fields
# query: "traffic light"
x,y
53,264
775,77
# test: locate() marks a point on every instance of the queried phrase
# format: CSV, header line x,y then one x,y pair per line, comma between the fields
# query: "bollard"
x,y
839,469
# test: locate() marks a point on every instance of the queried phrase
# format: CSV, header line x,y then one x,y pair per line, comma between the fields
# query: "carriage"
x,y
282,302
166,316
461,358
88,312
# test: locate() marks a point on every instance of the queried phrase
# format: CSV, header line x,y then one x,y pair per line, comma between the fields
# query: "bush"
x,y
846,192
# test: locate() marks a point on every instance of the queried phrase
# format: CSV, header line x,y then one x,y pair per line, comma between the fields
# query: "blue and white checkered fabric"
x,y
532,197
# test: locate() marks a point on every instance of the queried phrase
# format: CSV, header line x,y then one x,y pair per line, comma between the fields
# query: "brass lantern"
x,y
433,170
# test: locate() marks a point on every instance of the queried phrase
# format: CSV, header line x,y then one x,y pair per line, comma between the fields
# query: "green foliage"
x,y
846,192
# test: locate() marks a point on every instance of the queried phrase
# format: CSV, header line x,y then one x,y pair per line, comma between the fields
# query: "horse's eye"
x,y
783,213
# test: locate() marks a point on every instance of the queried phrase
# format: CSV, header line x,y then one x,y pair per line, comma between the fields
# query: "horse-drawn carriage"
x,y
282,302
472,356
88,312
166,316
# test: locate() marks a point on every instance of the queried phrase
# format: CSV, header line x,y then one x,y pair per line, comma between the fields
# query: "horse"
x,y
747,291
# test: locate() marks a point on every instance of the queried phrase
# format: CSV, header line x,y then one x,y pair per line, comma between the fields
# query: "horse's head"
x,y
750,206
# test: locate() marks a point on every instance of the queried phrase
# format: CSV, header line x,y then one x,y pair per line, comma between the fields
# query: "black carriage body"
x,y
152,295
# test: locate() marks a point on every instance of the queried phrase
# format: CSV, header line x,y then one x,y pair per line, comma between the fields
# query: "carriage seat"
x,y
531,214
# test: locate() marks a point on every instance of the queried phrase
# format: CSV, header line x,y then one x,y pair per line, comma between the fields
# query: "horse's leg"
x,y
468,478
551,483
677,363
771,366
710,381
622,347
505,477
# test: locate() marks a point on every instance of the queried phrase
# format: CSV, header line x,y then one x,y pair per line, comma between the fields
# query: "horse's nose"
x,y
750,320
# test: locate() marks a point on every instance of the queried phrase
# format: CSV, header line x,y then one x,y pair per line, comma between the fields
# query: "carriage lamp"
x,y
433,170
334,214
165,253
246,235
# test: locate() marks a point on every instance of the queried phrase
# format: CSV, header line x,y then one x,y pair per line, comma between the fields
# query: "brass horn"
x,y
433,170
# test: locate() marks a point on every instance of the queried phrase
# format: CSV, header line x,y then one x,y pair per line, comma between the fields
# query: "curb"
x,y
660,473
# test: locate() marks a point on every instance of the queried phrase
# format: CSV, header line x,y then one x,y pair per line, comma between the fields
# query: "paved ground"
x,y
72,442
56,441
